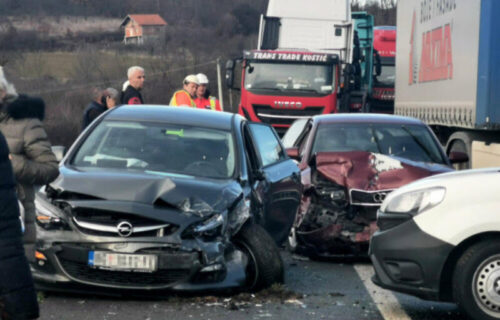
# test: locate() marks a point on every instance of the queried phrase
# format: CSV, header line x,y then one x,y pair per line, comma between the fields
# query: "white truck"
x,y
309,54
324,25
448,73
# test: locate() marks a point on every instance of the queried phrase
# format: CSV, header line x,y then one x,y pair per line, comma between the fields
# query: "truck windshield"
x,y
290,77
387,77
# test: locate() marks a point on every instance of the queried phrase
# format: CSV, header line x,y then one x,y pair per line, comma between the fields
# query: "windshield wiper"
x,y
304,89
420,144
270,89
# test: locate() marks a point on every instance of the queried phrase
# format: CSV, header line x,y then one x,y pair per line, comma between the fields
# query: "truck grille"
x,y
269,115
83,272
368,198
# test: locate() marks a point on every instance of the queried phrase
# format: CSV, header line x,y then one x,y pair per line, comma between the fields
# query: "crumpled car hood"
x,y
372,171
191,195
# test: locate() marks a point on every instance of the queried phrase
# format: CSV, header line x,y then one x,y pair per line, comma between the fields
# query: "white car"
x,y
439,239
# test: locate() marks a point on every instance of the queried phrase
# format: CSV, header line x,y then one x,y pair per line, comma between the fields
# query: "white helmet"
x,y
202,79
191,79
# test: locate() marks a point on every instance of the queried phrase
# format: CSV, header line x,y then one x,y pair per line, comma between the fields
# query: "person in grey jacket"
x,y
30,151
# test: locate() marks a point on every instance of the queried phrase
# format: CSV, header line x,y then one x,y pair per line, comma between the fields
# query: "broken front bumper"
x,y
192,266
342,239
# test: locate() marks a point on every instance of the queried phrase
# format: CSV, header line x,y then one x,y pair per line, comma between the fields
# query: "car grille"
x,y
83,272
269,115
368,198
105,223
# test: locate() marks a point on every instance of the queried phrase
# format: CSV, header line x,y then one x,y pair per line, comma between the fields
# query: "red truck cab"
x,y
384,44
278,87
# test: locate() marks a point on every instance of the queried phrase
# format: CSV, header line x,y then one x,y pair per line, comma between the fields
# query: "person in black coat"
x,y
103,100
17,293
131,91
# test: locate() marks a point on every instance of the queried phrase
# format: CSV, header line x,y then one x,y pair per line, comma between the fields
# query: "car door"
x,y
276,180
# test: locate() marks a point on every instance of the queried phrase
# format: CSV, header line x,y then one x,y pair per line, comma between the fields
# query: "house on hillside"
x,y
143,28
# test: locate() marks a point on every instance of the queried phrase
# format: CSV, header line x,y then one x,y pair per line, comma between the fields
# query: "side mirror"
x,y
59,152
230,74
293,153
259,175
458,157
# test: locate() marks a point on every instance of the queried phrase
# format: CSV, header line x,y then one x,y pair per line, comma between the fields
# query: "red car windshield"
x,y
413,142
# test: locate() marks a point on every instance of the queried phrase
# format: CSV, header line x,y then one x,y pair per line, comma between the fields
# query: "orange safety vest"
x,y
182,99
211,103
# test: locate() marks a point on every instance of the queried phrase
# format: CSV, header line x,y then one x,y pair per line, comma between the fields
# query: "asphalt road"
x,y
313,290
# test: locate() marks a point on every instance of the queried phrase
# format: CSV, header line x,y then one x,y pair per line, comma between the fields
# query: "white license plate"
x,y
123,262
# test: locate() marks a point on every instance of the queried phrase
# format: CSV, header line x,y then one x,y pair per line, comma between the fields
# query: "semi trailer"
x,y
448,73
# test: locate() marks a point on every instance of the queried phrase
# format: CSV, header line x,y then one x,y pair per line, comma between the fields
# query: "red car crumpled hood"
x,y
372,171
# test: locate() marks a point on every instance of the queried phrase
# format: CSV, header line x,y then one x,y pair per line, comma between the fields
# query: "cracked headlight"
x,y
414,202
48,216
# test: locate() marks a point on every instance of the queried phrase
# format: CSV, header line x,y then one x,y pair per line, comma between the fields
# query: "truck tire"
x,y
461,141
265,265
459,145
476,280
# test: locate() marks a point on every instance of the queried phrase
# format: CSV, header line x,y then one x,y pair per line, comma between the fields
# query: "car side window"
x,y
266,142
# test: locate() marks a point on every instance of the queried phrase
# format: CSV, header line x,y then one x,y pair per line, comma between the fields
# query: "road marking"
x,y
385,300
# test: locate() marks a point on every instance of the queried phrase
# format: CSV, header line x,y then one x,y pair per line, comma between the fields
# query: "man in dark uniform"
x,y
131,91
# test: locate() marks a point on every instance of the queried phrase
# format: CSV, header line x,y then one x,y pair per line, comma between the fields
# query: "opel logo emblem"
x,y
379,197
124,229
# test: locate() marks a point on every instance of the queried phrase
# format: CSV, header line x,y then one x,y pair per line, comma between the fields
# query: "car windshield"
x,y
413,142
290,77
157,148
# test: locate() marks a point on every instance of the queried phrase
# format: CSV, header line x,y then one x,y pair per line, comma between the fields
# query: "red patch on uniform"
x,y
134,100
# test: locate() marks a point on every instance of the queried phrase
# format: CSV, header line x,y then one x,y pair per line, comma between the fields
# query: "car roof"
x,y
169,114
365,118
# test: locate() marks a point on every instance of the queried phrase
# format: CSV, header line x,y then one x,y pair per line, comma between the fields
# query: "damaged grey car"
x,y
161,198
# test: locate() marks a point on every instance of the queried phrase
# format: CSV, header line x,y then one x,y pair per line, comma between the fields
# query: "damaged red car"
x,y
349,163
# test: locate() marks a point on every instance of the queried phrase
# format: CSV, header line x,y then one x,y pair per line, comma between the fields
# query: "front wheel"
x,y
476,280
265,265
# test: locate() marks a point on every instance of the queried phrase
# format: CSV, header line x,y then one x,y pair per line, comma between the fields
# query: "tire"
x,y
265,266
476,280
459,145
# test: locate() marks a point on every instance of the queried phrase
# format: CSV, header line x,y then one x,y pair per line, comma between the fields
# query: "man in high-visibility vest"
x,y
203,98
185,96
